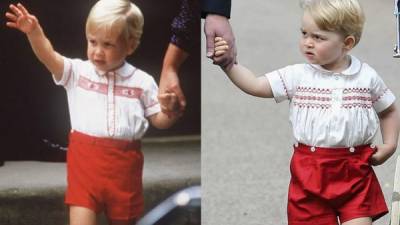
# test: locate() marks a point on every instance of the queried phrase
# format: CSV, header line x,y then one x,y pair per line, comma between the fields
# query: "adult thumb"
x,y
210,45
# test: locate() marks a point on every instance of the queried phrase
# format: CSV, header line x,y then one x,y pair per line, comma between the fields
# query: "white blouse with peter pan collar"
x,y
113,104
330,109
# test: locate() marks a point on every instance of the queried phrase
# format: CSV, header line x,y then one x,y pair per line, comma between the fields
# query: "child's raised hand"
x,y
220,48
19,18
169,103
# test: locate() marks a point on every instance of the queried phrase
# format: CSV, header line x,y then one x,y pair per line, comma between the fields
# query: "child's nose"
x,y
98,51
308,42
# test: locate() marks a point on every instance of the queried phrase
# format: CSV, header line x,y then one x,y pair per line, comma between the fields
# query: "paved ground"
x,y
245,140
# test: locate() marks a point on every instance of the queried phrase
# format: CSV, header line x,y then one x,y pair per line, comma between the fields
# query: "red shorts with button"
x,y
332,183
105,175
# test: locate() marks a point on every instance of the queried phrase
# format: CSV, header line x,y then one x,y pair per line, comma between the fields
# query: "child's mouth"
x,y
309,54
99,62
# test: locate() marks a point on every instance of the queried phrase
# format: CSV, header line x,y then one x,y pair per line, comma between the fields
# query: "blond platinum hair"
x,y
119,17
343,16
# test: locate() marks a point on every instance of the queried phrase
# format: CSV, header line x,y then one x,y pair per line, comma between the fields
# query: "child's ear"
x,y
132,45
349,42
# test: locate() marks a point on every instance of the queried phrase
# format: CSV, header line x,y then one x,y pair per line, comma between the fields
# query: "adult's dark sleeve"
x,y
220,7
186,26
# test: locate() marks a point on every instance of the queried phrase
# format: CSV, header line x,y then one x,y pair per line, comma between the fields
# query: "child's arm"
x,y
242,77
169,103
390,125
21,19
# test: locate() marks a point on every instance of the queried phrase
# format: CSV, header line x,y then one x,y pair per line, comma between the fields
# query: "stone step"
x,y
32,192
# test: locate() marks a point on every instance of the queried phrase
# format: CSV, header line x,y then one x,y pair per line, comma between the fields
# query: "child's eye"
x,y
319,38
108,45
92,42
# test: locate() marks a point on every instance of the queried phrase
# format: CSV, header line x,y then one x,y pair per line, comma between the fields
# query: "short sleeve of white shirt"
x,y
150,99
283,82
69,73
382,96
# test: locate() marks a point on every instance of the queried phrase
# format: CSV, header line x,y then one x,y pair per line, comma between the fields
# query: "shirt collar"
x,y
125,71
353,69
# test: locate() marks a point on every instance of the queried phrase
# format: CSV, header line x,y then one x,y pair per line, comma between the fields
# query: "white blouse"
x,y
113,104
330,109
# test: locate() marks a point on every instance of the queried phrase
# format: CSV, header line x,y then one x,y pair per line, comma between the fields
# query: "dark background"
x,y
34,109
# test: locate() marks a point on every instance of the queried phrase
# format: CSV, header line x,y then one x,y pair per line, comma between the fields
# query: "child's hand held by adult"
x,y
221,48
169,103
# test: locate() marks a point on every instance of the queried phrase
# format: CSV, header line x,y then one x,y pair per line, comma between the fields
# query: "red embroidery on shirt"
x,y
314,90
312,97
356,90
129,92
355,105
311,105
121,91
380,96
356,98
89,85
284,84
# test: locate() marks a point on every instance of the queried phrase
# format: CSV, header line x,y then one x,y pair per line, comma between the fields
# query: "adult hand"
x,y
169,80
219,26
169,83
169,104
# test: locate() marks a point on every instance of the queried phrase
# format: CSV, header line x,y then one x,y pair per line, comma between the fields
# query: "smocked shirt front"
x,y
111,104
329,109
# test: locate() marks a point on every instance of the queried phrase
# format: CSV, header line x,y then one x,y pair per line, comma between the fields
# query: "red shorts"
x,y
105,175
333,183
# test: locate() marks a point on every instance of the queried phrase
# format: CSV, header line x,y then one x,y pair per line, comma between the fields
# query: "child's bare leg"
x,y
81,216
359,221
123,222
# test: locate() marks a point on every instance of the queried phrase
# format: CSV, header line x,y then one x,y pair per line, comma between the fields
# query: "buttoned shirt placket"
x,y
111,104
337,91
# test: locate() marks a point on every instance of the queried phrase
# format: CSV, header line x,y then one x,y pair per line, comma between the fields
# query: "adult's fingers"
x,y
222,60
181,97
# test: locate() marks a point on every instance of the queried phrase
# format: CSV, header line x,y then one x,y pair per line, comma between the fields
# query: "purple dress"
x,y
186,24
